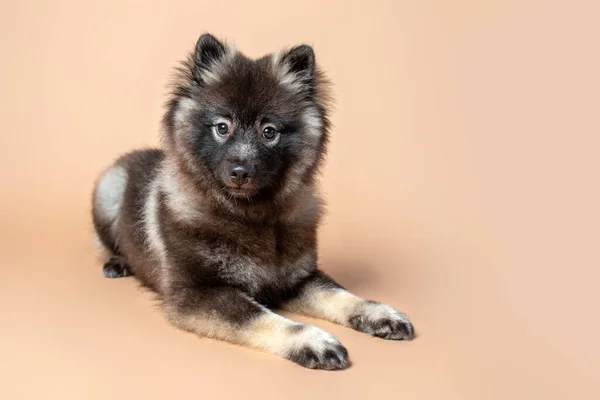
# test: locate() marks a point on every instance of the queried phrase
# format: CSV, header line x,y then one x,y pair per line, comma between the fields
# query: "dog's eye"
x,y
222,129
269,132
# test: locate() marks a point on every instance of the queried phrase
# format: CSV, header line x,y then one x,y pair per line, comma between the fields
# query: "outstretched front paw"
x,y
382,321
317,349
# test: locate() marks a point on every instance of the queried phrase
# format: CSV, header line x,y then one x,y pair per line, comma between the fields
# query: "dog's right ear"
x,y
295,67
209,55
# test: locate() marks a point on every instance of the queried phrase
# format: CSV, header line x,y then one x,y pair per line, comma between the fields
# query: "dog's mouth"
x,y
242,192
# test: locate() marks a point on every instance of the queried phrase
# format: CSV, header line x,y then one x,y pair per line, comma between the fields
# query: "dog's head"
x,y
248,128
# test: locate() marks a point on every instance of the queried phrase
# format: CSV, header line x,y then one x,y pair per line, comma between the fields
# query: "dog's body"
x,y
222,224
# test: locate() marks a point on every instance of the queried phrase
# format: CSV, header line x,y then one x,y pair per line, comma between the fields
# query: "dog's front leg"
x,y
321,297
228,314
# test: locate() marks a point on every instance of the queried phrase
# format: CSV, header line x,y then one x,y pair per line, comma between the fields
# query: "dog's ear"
x,y
296,66
209,55
300,60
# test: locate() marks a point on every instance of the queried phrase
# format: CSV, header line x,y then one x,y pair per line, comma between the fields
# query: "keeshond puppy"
x,y
222,222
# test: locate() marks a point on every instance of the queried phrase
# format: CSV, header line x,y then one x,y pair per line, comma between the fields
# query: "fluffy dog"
x,y
222,222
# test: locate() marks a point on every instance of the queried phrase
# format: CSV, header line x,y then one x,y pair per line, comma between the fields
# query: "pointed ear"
x,y
300,60
297,66
208,55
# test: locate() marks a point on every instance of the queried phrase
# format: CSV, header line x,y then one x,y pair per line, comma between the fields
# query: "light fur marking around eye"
x,y
221,138
273,142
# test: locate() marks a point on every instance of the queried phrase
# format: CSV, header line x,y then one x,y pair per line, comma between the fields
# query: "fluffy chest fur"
x,y
258,275
264,259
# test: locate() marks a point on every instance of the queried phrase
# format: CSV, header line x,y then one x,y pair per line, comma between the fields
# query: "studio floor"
x,y
70,333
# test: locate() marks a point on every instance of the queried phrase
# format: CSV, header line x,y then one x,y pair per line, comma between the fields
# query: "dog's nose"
x,y
241,174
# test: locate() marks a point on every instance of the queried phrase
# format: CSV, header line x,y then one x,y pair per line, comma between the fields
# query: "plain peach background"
x,y
463,188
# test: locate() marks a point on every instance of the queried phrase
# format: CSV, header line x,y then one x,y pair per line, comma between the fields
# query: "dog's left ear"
x,y
297,66
300,60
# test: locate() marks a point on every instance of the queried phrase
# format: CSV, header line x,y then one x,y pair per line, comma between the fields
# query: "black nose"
x,y
241,174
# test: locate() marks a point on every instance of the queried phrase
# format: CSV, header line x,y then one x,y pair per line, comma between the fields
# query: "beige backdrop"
x,y
462,185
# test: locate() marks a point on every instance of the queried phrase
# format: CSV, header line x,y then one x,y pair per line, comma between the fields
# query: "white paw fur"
x,y
382,321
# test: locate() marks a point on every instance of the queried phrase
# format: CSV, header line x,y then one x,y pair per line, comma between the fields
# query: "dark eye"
x,y
222,129
269,132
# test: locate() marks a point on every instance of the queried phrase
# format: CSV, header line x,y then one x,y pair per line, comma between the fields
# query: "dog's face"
x,y
248,128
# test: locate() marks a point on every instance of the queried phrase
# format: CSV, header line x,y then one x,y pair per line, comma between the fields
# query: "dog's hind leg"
x,y
116,267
